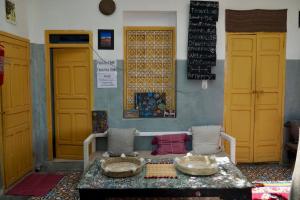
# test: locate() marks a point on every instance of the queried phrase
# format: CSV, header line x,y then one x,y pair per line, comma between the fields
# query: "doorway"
x,y
69,73
254,94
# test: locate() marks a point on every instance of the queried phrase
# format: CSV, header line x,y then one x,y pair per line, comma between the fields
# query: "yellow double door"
x,y
254,94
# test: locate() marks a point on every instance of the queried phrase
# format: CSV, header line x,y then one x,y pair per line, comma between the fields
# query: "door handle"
x,y
259,92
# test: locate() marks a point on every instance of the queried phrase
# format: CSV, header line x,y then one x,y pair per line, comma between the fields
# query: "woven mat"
x,y
160,171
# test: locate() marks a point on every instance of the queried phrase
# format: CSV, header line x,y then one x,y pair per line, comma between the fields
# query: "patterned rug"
x,y
65,189
272,181
257,173
266,172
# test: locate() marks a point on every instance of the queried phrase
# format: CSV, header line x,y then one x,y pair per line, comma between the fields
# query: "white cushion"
x,y
206,139
120,141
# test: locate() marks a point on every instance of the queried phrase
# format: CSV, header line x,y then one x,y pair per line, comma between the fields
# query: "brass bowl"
x,y
197,165
121,167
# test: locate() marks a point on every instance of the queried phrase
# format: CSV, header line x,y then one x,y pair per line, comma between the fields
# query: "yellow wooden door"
x,y
239,93
16,110
269,96
72,101
254,85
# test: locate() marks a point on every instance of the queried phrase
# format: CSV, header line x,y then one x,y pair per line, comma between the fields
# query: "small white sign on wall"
x,y
107,74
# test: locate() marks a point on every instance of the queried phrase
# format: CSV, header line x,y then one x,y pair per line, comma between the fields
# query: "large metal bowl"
x,y
121,167
197,165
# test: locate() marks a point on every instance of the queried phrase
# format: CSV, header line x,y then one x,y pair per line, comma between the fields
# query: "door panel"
x,y
73,104
81,124
16,109
241,130
242,72
81,79
268,72
63,81
269,87
72,101
64,127
239,97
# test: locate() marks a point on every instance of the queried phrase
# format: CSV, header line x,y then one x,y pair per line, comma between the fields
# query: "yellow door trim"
x,y
49,46
283,35
15,37
2,172
10,38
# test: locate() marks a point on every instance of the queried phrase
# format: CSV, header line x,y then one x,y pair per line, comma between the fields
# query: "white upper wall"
x,y
21,27
149,18
84,15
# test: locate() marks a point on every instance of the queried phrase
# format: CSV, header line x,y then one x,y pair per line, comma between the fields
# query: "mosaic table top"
x,y
229,176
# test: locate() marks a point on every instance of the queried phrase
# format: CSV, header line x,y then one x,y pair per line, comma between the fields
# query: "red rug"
x,y
35,185
271,190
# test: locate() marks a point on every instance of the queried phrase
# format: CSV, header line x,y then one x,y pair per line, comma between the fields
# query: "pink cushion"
x,y
170,144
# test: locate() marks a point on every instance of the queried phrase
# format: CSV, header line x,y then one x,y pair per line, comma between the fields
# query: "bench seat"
x,y
90,153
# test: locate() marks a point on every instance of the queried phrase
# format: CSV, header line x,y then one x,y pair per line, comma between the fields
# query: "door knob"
x,y
259,92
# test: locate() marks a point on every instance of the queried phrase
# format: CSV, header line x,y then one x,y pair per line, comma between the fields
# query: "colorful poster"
x,y
150,104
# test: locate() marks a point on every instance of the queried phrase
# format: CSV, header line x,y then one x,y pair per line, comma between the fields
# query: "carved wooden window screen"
x,y
149,60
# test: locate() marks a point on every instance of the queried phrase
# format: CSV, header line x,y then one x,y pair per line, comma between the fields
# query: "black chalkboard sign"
x,y
202,39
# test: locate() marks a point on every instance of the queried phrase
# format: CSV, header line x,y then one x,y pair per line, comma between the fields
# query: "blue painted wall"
x,y
292,90
39,122
195,106
292,96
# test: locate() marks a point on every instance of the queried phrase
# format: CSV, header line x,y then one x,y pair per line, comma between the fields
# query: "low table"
x,y
229,183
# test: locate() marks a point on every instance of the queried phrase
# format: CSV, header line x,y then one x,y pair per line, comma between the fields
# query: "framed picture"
x,y
105,39
99,120
10,11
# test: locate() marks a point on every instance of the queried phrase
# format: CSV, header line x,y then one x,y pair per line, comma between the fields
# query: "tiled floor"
x,y
65,190
266,172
